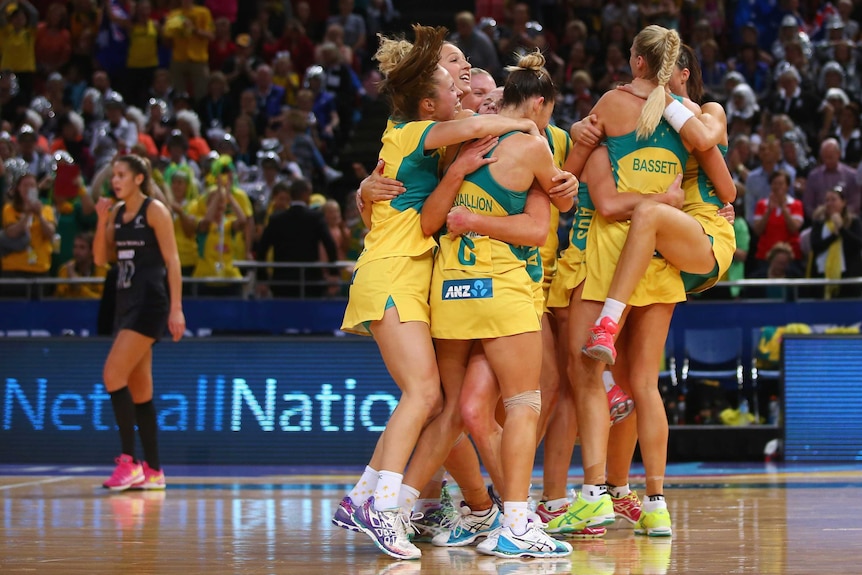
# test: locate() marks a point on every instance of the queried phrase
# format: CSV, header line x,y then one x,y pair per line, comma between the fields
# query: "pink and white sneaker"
x,y
601,343
151,479
126,474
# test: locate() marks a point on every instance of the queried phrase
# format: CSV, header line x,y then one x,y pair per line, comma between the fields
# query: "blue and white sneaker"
x,y
468,527
533,543
344,515
388,529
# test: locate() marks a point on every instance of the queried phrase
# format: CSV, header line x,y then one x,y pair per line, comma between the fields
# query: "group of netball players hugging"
x,y
493,337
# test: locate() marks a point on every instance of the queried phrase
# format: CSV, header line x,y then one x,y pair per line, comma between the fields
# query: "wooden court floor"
x,y
785,520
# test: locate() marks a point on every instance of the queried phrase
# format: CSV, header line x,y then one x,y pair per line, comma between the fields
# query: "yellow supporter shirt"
x,y
216,248
81,291
37,257
188,46
18,49
199,210
143,49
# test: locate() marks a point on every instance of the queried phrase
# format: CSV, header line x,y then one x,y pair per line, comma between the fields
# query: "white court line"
x,y
32,483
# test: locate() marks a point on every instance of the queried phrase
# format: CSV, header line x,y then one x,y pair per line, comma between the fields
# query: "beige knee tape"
x,y
532,399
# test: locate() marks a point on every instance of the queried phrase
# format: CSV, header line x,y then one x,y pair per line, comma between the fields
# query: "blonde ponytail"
x,y
668,47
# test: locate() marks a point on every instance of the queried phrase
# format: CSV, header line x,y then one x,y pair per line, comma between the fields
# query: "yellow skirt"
x,y
723,248
404,279
489,298
571,271
662,282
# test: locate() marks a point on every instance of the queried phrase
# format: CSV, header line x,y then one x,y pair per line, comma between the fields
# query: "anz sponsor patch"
x,y
468,289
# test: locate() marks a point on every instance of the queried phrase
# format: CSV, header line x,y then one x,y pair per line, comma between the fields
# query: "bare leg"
x,y
563,425
409,356
679,237
478,405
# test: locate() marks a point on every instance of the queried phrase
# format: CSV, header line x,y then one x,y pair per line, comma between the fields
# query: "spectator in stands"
x,y
614,70
74,209
24,215
183,193
222,46
758,183
353,26
216,109
83,27
270,97
220,230
477,47
286,77
337,229
157,125
848,135
149,150
802,107
224,171
143,57
517,36
246,140
190,29
53,46
296,235
836,245
714,69
176,153
70,128
189,125
777,219
780,264
114,135
756,72
295,41
736,271
81,266
340,79
18,21
831,173
38,162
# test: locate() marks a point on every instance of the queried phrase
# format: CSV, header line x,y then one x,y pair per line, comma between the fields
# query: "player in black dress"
x,y
139,231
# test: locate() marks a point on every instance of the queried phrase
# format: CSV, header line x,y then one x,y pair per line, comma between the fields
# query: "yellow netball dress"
x,y
481,287
702,204
394,269
571,270
561,145
649,167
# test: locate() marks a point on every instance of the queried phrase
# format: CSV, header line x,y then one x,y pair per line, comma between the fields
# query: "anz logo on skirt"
x,y
468,289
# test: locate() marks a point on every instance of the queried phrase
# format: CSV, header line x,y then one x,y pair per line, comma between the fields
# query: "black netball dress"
x,y
142,293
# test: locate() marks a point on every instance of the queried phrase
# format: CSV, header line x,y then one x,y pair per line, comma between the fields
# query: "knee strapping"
x,y
458,439
532,399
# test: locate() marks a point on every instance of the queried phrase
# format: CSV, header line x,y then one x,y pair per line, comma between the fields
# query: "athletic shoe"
x,y
432,523
582,515
585,533
619,404
533,543
486,547
388,529
468,527
546,515
126,474
627,507
654,524
151,479
344,515
600,346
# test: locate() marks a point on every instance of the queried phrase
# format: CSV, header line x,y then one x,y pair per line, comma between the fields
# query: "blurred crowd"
x,y
245,109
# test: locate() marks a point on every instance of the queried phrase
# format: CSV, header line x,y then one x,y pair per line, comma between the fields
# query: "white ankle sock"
x,y
654,503
407,498
608,380
592,493
387,490
556,504
515,516
613,309
617,492
364,488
